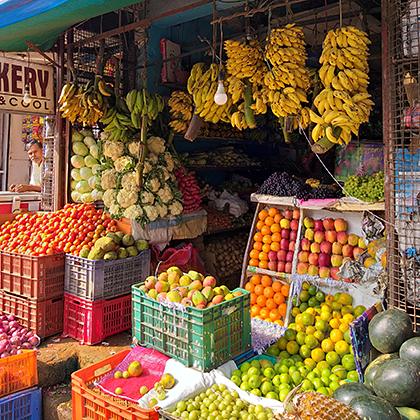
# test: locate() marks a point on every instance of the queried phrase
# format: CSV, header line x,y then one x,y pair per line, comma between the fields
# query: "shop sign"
x,y
14,75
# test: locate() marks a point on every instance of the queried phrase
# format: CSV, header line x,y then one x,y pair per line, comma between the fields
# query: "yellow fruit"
x,y
341,348
327,345
292,347
336,306
343,327
135,369
300,328
336,335
345,299
310,330
317,355
167,380
348,318
335,323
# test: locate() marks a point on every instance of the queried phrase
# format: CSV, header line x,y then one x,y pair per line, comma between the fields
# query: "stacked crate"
x,y
32,289
97,298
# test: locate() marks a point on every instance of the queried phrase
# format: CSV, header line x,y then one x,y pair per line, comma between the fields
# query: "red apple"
x,y
331,236
315,248
294,224
326,247
281,255
296,214
334,273
284,244
281,265
319,236
293,235
305,244
336,260
313,259
340,225
289,256
357,251
347,250
318,225
337,248
288,268
324,272
272,265
324,260
313,270
309,234
342,237
328,223
353,240
308,222
303,256
288,214
302,268
272,256
292,246
285,233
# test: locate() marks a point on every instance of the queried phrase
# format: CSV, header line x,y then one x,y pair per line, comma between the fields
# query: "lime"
x,y
334,385
307,385
337,296
305,286
290,334
320,296
339,371
294,301
305,351
303,306
282,343
332,358
348,362
304,296
322,365
309,363
323,390
300,338
359,310
273,351
312,302
308,319
353,376
312,290
292,347
321,324
319,335
298,359
311,341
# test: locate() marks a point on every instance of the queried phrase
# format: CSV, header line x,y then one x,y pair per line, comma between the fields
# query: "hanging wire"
x,y
326,16
341,13
221,46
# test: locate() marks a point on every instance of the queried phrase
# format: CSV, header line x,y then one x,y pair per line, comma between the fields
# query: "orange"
x,y
260,224
256,279
268,320
254,254
277,218
261,300
275,228
267,239
258,317
273,211
264,313
285,290
258,246
278,298
343,327
265,230
341,347
327,345
334,323
329,297
317,355
259,289
275,314
276,286
263,265
336,335
253,298
258,237
268,292
282,309
311,311
271,304
269,221
262,256
262,214
279,322
275,246
255,310
253,262
266,248
266,281
276,237
249,286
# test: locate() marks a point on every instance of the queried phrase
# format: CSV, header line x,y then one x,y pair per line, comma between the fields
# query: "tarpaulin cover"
x,y
41,21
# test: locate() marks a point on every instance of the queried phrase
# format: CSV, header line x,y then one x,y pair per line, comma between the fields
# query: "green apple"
x,y
296,378
254,371
277,380
285,378
236,380
272,395
256,392
255,381
269,373
266,387
245,386
245,367
256,363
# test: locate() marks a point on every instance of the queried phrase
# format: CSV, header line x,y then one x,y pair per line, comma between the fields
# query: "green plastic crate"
x,y
199,338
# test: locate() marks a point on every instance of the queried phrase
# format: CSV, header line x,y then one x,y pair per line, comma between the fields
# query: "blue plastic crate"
x,y
24,405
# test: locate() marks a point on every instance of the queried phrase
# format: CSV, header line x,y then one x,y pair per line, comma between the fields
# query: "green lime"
x,y
312,290
304,296
320,296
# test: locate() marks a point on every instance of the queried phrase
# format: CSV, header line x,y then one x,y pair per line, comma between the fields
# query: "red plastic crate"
x,y
91,322
32,288
90,404
44,317
31,266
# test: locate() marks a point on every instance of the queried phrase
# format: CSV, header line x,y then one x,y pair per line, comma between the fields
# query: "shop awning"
x,y
41,21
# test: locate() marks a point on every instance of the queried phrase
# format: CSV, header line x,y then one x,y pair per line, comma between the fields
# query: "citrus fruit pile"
x,y
275,240
268,298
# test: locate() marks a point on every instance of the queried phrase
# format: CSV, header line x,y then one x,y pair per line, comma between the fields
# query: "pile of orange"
x,y
268,298
267,238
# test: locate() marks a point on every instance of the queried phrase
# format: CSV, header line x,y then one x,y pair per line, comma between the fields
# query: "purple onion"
x,y
24,331
3,318
11,318
15,341
34,341
11,331
15,324
13,352
19,352
5,325
26,346
4,354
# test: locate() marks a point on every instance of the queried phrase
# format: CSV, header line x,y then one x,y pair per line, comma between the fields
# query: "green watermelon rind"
x,y
373,367
345,393
375,408
410,350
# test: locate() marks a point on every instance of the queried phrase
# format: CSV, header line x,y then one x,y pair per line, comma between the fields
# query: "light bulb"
x,y
220,97
27,97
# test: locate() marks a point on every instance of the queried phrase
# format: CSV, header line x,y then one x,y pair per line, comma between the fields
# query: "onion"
x,y
5,325
34,341
19,352
13,352
11,318
4,354
15,324
23,331
11,331
3,318
15,341
4,336
8,347
26,346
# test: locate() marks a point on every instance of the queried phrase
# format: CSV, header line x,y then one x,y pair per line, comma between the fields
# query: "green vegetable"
x,y
85,173
90,161
80,149
77,161
83,187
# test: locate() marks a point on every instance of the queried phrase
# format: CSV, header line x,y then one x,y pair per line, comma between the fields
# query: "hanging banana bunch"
x,y
344,103
202,84
181,109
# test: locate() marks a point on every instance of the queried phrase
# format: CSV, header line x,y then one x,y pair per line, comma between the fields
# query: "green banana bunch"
x,y
118,122
141,103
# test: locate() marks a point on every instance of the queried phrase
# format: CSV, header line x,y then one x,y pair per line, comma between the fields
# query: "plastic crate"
x,y
44,317
18,372
91,404
199,338
30,266
25,405
272,359
32,288
91,322
100,279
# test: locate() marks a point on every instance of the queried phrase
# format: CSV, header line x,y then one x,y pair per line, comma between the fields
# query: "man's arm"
x,y
25,188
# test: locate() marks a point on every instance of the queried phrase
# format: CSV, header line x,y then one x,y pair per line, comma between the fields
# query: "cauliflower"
x,y
165,194
152,158
133,148
162,209
147,168
113,149
105,135
176,208
133,212
114,210
129,181
127,198
151,212
108,179
169,162
166,174
109,197
154,184
147,198
122,162
156,145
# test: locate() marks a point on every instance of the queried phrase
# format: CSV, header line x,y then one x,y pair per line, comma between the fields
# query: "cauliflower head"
x,y
114,210
152,159
147,168
133,148
127,198
154,184
165,194
176,208
109,197
108,179
166,174
147,198
105,135
156,145
128,181
151,212
162,209
133,212
113,149
122,162
170,164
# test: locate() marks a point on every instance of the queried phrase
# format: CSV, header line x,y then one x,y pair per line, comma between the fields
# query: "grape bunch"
x,y
366,188
284,185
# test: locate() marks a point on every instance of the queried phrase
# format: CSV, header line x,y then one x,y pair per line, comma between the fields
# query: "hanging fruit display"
x,y
141,104
344,103
181,109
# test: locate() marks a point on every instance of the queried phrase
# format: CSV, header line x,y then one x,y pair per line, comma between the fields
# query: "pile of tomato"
x,y
70,229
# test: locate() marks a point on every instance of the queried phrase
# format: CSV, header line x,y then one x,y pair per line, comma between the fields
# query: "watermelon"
x,y
398,381
408,413
389,329
373,367
411,350
346,392
374,408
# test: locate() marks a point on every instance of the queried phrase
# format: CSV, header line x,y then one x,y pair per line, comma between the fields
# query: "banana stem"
x,y
322,146
142,152
194,127
249,113
285,133
171,138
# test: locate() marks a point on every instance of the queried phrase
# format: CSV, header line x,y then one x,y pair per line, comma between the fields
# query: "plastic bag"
x,y
237,206
185,257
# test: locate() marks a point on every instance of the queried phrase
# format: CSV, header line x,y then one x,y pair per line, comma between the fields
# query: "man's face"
x,y
35,154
